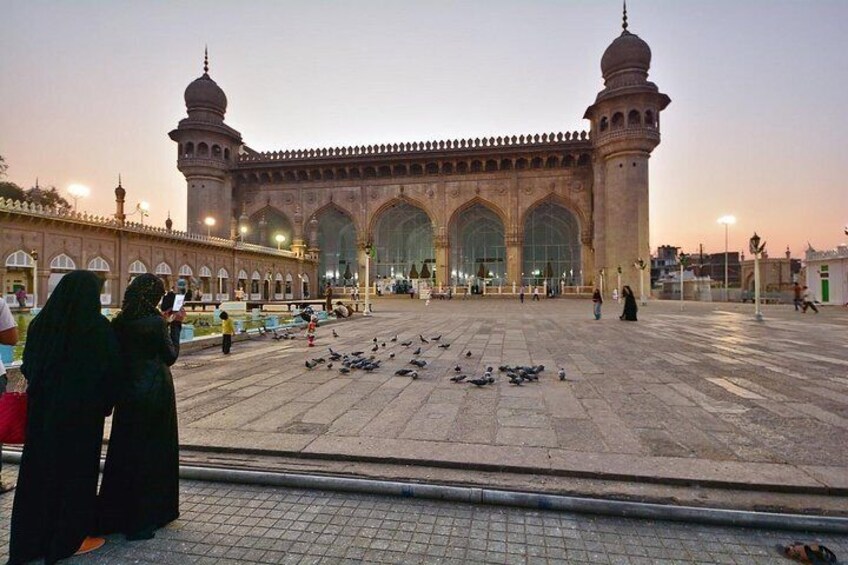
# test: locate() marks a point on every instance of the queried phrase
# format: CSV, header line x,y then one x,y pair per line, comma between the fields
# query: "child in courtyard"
x,y
310,331
228,331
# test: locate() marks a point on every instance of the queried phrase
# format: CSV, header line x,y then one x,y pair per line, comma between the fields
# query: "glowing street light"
x,y
210,222
727,221
77,191
143,210
279,238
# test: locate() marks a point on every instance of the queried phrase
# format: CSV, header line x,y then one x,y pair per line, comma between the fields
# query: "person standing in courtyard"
x,y
597,301
8,336
536,293
71,365
140,489
521,294
809,301
630,307
21,296
797,299
328,295
228,330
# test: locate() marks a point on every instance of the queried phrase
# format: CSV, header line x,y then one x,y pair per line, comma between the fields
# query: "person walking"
x,y
227,333
809,301
140,488
536,293
630,307
797,300
521,294
71,365
597,301
21,296
8,336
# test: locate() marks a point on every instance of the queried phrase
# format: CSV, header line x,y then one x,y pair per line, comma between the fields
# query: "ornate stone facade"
x,y
39,244
558,206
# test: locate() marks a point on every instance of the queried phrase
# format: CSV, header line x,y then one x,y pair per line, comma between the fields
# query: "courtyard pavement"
x,y
223,523
701,396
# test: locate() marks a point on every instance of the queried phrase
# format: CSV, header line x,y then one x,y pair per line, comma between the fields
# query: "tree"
x,y
48,197
11,190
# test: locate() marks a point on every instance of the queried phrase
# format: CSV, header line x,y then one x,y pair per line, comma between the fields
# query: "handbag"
x,y
13,417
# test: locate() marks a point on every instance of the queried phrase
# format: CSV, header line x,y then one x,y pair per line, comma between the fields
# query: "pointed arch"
x,y
337,235
477,242
99,264
20,259
402,231
62,262
276,222
552,248
395,201
137,267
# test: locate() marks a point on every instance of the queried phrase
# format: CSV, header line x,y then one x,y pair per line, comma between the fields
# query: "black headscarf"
x,y
65,326
141,298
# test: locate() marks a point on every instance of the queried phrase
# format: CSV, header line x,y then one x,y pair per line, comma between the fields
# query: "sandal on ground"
x,y
808,553
90,544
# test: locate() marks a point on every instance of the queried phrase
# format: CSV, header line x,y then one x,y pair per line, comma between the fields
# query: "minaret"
x,y
120,196
207,149
625,130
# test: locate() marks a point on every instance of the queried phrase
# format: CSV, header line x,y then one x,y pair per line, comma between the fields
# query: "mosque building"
x,y
560,209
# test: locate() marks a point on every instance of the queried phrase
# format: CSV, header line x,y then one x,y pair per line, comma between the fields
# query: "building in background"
x,y
827,274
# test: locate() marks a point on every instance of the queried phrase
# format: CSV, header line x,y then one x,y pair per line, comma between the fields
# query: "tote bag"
x,y
13,417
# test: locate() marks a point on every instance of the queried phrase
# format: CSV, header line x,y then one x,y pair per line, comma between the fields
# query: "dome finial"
x,y
624,19
206,58
119,180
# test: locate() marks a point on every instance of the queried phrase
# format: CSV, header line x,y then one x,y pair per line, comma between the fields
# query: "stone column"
x,y
587,254
442,245
514,255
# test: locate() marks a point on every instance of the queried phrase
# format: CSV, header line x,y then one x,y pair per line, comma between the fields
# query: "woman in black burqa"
x,y
71,364
140,489
630,307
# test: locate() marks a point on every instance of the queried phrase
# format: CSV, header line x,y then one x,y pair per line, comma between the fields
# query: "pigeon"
x,y
490,378
344,370
489,369
458,378
404,371
335,334
417,351
357,353
423,339
468,354
516,380
391,355
375,340
444,345
406,343
329,366
383,344
437,338
562,374
375,348
418,362
478,382
457,368
311,364
394,339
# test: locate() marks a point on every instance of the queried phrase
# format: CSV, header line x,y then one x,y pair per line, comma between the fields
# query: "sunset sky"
x,y
757,126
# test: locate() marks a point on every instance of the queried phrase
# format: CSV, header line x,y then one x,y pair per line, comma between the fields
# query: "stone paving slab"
x,y
704,395
226,523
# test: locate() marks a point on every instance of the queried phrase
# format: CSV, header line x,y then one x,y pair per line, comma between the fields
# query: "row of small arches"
x,y
203,150
634,118
501,141
63,262
417,169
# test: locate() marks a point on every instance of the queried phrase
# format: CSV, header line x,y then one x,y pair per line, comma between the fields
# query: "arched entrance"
x,y
266,225
100,267
403,239
60,266
552,248
20,269
478,253
337,244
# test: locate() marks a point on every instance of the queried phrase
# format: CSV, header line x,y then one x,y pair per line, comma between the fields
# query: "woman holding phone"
x,y
140,489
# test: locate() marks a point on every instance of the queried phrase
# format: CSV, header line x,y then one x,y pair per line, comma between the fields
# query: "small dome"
x,y
205,94
628,51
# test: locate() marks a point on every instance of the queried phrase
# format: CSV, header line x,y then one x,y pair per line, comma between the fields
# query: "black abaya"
x,y
630,308
140,490
70,362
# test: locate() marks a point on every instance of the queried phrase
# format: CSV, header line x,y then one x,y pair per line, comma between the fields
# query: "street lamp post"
x,y
78,191
727,221
683,259
34,255
756,248
641,264
210,222
279,238
367,279
143,210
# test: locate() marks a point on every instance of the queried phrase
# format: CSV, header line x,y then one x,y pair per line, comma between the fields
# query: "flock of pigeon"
x,y
369,361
